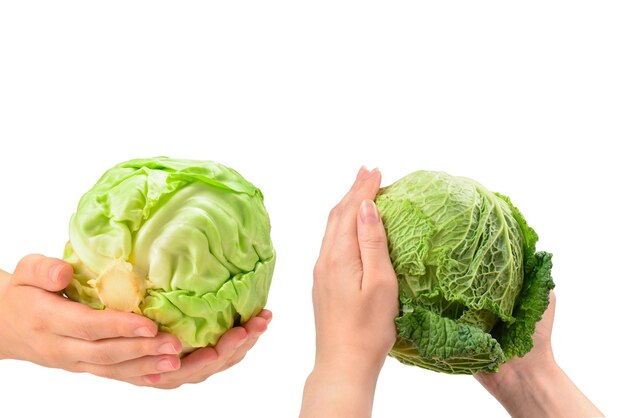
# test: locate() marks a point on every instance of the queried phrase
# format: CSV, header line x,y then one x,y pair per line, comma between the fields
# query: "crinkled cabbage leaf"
x,y
185,243
471,285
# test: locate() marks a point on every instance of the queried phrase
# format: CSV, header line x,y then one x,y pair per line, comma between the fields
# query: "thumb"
x,y
372,239
47,273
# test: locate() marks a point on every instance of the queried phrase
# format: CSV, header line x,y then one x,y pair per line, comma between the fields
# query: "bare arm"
x,y
346,392
40,326
534,385
353,277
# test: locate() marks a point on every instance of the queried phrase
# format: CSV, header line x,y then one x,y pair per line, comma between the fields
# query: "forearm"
x,y
540,392
335,393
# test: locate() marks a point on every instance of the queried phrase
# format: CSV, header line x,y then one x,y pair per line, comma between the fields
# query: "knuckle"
x,y
231,362
106,372
335,212
86,331
52,355
148,346
102,355
373,245
318,270
30,262
335,261
328,267
373,239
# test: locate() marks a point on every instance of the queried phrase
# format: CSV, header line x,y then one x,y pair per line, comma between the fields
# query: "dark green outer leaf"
x,y
433,342
516,339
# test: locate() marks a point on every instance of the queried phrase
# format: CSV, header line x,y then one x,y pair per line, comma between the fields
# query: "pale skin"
x,y
39,325
354,278
535,385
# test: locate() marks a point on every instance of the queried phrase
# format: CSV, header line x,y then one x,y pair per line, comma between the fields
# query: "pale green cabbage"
x,y
185,243
471,285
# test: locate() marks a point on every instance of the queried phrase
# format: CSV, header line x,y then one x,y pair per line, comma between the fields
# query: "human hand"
x,y
355,300
534,385
540,357
205,362
39,325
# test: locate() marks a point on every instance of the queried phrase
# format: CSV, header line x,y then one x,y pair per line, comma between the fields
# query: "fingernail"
x,y
164,365
144,332
371,173
53,274
368,212
362,172
168,348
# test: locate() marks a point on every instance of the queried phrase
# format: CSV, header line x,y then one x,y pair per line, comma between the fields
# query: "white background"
x,y
529,99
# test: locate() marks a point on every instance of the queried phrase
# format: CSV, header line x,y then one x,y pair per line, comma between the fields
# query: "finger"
x,y
201,363
47,273
346,244
229,343
266,314
372,239
118,350
258,324
75,320
143,366
255,327
365,187
335,213
189,365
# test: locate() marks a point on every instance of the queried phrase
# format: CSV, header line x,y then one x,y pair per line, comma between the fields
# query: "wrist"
x,y
349,367
345,377
339,389
526,389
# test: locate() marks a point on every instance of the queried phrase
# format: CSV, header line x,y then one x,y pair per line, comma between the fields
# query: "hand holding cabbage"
x,y
353,323
355,299
535,385
40,326
471,285
185,243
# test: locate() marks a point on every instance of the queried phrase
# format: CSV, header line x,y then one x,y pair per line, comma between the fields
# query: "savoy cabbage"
x,y
471,284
